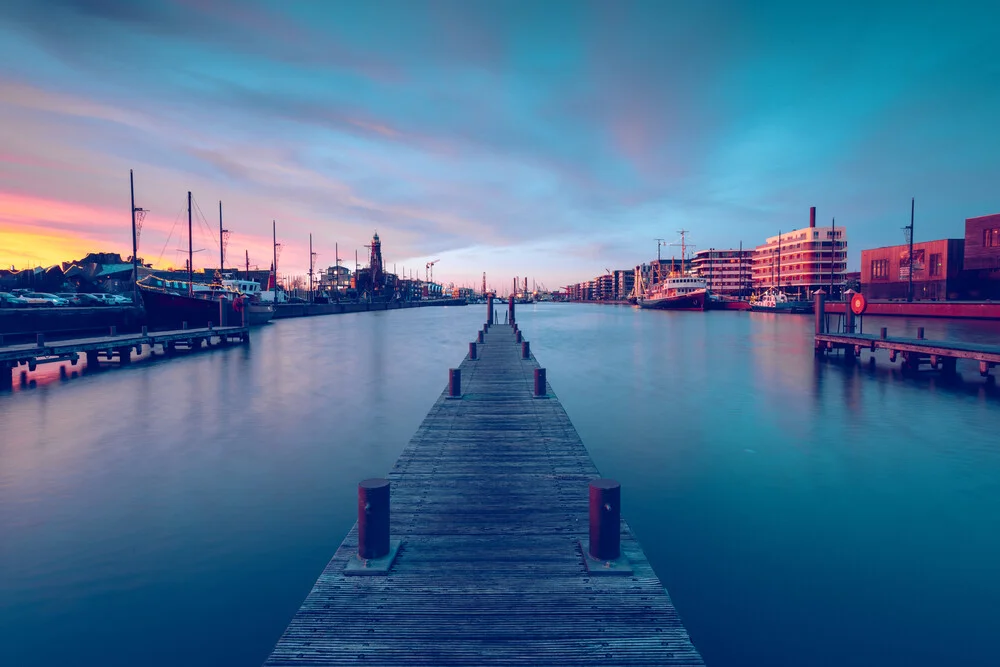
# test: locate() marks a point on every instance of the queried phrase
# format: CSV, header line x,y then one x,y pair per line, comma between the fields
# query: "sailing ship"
x,y
170,303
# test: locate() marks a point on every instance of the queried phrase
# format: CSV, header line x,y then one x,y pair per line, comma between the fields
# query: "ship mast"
x,y
190,251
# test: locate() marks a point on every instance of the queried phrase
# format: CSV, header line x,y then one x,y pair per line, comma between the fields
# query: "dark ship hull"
x,y
168,310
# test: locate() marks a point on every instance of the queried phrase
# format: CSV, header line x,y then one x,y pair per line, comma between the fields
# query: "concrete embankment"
x,y
285,310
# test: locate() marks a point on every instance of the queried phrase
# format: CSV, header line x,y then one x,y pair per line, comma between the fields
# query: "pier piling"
x,y
480,338
540,391
472,351
454,383
525,350
605,519
820,308
510,309
517,337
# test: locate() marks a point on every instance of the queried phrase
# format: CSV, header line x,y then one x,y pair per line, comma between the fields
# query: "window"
x,y
880,269
991,237
936,264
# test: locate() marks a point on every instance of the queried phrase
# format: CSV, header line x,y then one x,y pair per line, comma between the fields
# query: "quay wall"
x,y
17,322
973,310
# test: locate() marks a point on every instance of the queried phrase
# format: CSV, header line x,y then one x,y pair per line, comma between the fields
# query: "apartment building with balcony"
x,y
726,272
803,260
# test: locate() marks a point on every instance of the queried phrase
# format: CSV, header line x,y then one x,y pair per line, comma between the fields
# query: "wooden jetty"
x,y
913,352
492,533
112,346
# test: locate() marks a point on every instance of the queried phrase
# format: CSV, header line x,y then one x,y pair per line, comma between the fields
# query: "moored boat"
x,y
676,292
776,301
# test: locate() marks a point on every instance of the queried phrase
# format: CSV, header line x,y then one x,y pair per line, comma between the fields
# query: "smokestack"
x,y
812,216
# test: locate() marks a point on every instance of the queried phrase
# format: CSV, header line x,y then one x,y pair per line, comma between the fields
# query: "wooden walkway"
x,y
490,499
913,351
115,345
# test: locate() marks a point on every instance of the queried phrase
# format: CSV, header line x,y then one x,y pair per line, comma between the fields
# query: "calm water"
x,y
800,513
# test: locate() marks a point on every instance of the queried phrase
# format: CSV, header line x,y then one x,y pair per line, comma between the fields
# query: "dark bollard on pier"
x,y
920,333
525,350
113,331
376,552
510,310
454,383
472,351
480,338
820,311
602,553
883,333
40,340
540,383
517,337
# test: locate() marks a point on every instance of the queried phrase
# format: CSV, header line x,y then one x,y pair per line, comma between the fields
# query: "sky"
x,y
545,139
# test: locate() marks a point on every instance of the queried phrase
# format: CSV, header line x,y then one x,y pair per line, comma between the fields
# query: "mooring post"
x,y
920,333
848,317
489,308
114,330
525,350
517,336
184,325
540,382
883,333
820,308
40,340
480,338
486,327
145,330
472,351
454,382
605,519
373,518
510,307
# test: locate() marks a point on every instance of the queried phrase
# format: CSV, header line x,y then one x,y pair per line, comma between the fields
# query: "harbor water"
x,y
799,511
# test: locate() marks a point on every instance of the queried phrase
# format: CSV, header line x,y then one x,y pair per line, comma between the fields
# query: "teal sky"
x,y
542,139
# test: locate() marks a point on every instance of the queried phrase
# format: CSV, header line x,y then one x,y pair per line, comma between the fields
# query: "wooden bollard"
x,y
114,330
517,336
820,311
472,351
486,327
40,340
373,518
454,382
920,333
539,382
883,333
525,350
145,330
605,519
480,338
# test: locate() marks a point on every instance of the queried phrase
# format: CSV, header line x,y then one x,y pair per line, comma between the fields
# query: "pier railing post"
x,y
472,351
539,382
454,382
373,518
820,309
525,350
605,519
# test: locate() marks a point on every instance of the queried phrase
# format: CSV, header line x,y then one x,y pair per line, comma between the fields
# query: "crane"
x,y
429,270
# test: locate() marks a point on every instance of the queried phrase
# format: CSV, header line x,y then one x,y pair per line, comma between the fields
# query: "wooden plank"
x,y
490,501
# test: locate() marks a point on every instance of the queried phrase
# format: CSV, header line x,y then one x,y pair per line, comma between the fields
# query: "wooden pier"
x,y
913,352
112,346
491,534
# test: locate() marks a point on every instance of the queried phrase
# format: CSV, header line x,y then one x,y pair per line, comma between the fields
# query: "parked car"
x,y
72,297
90,299
121,300
43,298
9,300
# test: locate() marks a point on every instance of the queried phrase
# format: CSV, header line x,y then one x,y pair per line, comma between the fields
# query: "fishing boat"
x,y
677,291
776,301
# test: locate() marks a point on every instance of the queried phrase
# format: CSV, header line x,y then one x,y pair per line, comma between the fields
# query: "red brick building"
x,y
937,270
982,256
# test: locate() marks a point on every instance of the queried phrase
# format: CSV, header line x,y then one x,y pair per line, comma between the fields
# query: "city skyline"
x,y
549,140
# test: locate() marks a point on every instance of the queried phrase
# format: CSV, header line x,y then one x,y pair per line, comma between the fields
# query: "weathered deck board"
x,y
490,500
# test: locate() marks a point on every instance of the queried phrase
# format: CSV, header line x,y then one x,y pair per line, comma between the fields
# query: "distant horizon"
x,y
554,140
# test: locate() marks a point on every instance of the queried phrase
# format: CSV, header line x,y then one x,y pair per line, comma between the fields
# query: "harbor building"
x,y
604,288
726,272
982,256
936,268
802,260
624,284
